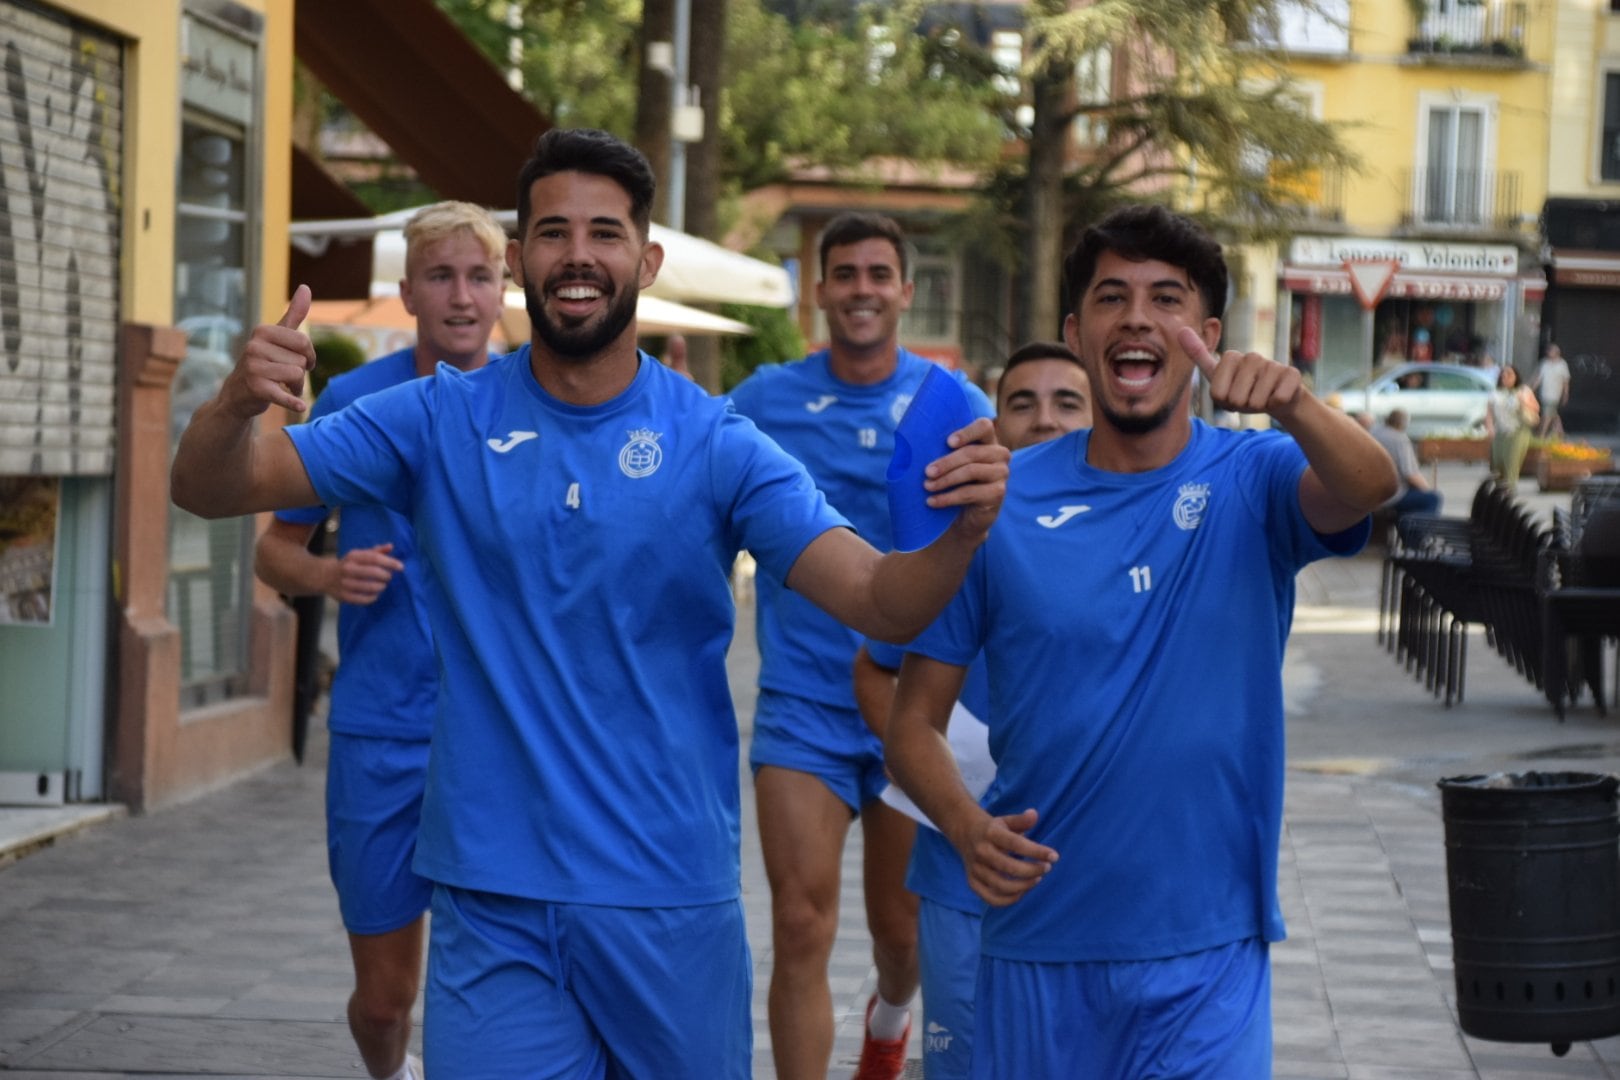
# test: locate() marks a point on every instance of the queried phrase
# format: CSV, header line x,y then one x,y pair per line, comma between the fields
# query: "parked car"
x,y
1437,397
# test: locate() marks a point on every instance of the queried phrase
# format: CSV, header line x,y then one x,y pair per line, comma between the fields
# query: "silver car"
x,y
1437,398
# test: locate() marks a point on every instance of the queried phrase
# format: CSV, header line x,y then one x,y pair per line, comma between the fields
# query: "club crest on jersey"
x,y
1191,503
897,408
642,455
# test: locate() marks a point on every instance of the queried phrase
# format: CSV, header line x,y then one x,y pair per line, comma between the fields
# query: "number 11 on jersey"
x,y
1141,578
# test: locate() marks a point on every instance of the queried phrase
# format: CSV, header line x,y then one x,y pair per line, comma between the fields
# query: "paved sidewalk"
x,y
203,940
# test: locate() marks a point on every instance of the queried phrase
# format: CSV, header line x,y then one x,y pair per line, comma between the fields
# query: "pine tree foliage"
x,y
837,86
1208,109
846,88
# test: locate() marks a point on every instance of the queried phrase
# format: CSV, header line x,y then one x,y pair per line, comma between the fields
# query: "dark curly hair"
x,y
1146,232
598,153
857,225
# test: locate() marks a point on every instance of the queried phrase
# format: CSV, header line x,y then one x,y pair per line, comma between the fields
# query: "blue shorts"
x,y
828,742
519,987
373,807
948,961
1203,1016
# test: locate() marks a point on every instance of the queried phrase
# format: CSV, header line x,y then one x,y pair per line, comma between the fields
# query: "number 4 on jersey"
x,y
571,500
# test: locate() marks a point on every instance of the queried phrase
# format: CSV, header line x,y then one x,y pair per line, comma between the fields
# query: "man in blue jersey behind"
x,y
816,765
1132,606
1042,393
387,683
580,507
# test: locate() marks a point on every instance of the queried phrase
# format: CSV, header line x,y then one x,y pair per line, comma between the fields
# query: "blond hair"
x,y
442,220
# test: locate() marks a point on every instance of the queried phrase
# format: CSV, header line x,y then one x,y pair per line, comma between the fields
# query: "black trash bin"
x,y
1533,872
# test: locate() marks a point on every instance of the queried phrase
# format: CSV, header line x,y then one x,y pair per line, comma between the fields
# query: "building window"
x,y
1609,148
1007,53
210,575
1454,186
1093,85
932,316
1322,28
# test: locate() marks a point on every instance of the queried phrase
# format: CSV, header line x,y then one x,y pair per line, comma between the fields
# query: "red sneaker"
x,y
882,1059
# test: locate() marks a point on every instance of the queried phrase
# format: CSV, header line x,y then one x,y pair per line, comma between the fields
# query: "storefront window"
x,y
210,574
932,316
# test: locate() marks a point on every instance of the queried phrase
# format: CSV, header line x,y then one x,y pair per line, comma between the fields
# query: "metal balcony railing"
x,y
1484,199
1471,28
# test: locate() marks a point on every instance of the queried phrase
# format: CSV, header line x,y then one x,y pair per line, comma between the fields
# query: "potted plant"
x,y
1459,445
1562,463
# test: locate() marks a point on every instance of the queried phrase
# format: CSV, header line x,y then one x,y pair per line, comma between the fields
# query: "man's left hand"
x,y
1244,382
973,475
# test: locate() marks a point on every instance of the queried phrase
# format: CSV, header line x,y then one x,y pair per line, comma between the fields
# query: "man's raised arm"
x,y
222,467
893,597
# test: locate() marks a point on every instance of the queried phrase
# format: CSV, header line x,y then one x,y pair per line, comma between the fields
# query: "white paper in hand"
x,y
970,744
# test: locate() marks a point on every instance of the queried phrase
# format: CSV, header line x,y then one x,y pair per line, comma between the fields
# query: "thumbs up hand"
x,y
1244,382
273,364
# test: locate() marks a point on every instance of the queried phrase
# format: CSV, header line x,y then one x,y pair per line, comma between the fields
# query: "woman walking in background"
x,y
1512,414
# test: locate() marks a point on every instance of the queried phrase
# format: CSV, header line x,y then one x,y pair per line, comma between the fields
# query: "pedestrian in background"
x,y
580,506
1132,605
816,764
387,684
1413,494
1044,393
1551,384
1509,419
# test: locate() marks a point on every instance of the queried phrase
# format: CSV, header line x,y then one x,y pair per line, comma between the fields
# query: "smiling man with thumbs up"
x,y
1132,605
580,507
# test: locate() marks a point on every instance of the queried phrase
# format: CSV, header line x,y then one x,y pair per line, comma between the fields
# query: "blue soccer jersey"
x,y
388,681
935,871
1133,626
584,749
844,434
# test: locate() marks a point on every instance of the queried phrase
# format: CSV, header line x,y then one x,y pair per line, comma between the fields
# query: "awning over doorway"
x,y
1583,269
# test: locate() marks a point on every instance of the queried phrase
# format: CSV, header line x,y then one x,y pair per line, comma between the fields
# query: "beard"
x,y
1141,423
583,340
1129,424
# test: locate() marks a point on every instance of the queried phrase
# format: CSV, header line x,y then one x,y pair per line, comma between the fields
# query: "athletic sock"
x,y
888,1022
408,1070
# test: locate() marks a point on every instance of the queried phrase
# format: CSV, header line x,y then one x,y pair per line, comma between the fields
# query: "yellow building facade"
x,y
1446,103
1581,219
145,178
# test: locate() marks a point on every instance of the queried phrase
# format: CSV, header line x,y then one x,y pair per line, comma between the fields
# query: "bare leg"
x,y
891,911
802,828
387,974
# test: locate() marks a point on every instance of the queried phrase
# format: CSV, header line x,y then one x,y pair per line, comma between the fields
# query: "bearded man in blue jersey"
x,y
387,684
816,764
1132,607
580,507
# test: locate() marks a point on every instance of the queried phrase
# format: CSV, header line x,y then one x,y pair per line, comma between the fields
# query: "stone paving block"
x,y
204,1046
1429,1046
1291,1069
1532,1059
160,1005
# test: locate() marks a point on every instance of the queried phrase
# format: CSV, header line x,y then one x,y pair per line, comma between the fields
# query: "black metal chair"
x,y
1579,595
1428,596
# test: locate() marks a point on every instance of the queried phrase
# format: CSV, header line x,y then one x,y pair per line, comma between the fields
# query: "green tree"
x,y
776,336
1198,109
839,90
577,58
832,87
